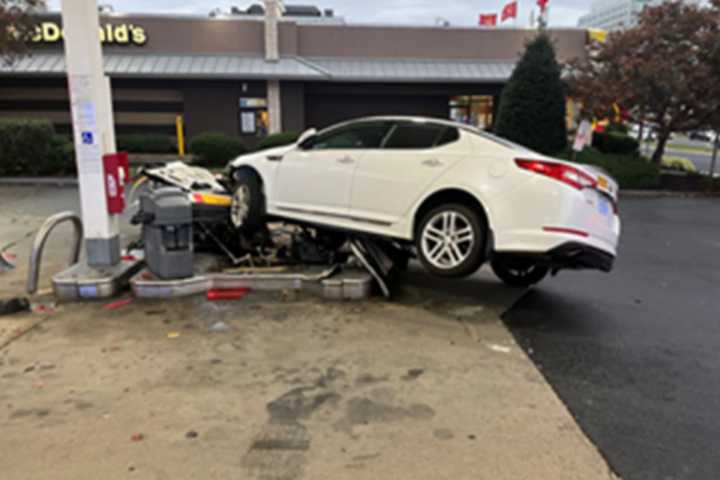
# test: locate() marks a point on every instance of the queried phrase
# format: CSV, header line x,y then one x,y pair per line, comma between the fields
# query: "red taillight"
x,y
559,171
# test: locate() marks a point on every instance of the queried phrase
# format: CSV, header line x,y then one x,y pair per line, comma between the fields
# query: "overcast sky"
x,y
458,12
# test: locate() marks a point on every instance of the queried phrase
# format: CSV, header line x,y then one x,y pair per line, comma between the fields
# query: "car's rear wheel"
x,y
518,272
450,241
247,211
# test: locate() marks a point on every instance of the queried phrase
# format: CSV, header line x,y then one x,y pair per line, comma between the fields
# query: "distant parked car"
x,y
701,136
458,195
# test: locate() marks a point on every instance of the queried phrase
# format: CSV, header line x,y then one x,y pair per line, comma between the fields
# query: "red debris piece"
x,y
129,258
119,304
137,437
227,293
44,309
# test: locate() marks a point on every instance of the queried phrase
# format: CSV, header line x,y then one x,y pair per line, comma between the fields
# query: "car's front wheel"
x,y
518,272
247,211
450,241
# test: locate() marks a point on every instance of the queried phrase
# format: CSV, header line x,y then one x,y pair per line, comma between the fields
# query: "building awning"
x,y
402,70
172,66
286,68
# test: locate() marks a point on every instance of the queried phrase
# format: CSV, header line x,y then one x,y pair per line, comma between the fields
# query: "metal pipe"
x,y
714,155
41,239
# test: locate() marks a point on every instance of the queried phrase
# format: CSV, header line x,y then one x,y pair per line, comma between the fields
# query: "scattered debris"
x,y
137,437
413,374
499,348
7,261
219,327
118,304
44,309
173,334
191,434
14,305
215,361
227,293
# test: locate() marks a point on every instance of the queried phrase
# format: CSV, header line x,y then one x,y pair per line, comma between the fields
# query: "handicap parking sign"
x,y
87,138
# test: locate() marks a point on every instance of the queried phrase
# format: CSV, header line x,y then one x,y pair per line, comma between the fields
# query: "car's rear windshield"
x,y
500,140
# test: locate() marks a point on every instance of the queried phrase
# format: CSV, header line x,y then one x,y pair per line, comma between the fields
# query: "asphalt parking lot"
x,y
636,355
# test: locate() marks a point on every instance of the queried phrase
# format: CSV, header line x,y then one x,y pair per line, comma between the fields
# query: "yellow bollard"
x,y
180,135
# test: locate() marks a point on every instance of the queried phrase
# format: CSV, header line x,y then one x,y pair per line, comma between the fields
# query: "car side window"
x,y
419,136
357,136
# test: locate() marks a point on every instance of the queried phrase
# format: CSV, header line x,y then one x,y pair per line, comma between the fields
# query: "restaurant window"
x,y
475,110
254,119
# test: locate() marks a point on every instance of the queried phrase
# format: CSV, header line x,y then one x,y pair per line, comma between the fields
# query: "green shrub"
x,y
24,146
631,171
278,140
615,143
216,149
532,104
61,157
146,143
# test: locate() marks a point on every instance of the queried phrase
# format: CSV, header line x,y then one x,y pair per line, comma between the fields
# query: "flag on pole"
x,y
488,20
509,11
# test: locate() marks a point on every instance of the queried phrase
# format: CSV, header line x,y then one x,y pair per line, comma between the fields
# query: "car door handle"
x,y
275,158
346,160
432,162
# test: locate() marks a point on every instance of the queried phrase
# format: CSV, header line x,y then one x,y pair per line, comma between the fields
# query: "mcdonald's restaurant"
x,y
242,75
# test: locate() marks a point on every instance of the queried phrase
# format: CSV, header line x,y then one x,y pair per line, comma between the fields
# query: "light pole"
x,y
714,156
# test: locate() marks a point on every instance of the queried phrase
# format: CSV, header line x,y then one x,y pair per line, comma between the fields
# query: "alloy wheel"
x,y
447,240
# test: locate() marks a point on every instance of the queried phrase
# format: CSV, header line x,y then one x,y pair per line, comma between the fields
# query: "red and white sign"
x,y
488,20
583,137
542,4
509,11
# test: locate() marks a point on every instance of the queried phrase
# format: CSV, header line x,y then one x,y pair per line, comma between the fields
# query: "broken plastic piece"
x,y
227,293
14,305
137,437
7,261
118,304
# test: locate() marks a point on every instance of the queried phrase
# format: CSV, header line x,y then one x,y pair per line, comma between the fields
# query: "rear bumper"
x,y
569,256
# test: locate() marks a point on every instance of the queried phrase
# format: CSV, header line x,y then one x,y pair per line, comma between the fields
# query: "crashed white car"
x,y
458,195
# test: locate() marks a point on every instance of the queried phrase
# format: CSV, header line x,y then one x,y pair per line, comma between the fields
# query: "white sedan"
x,y
458,195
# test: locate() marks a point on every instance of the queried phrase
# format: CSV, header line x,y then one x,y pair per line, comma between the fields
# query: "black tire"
x,y
247,184
475,251
518,272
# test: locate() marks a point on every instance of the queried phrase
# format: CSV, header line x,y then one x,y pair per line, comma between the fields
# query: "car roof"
x,y
438,121
406,118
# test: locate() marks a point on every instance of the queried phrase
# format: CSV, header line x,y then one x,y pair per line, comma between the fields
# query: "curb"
x,y
35,181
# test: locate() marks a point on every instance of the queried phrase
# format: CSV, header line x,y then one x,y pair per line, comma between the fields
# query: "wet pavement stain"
x,y
278,452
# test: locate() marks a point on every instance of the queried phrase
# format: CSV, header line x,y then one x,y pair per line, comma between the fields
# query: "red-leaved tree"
x,y
17,26
665,71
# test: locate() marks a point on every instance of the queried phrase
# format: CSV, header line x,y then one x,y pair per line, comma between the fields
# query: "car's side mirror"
x,y
307,138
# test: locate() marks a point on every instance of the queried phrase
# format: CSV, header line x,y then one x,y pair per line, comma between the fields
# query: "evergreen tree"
x,y
532,105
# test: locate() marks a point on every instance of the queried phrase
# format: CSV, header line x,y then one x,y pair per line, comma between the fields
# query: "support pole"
x,y
92,117
273,12
714,156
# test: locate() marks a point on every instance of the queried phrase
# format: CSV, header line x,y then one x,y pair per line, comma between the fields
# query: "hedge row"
x,y
31,147
615,143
